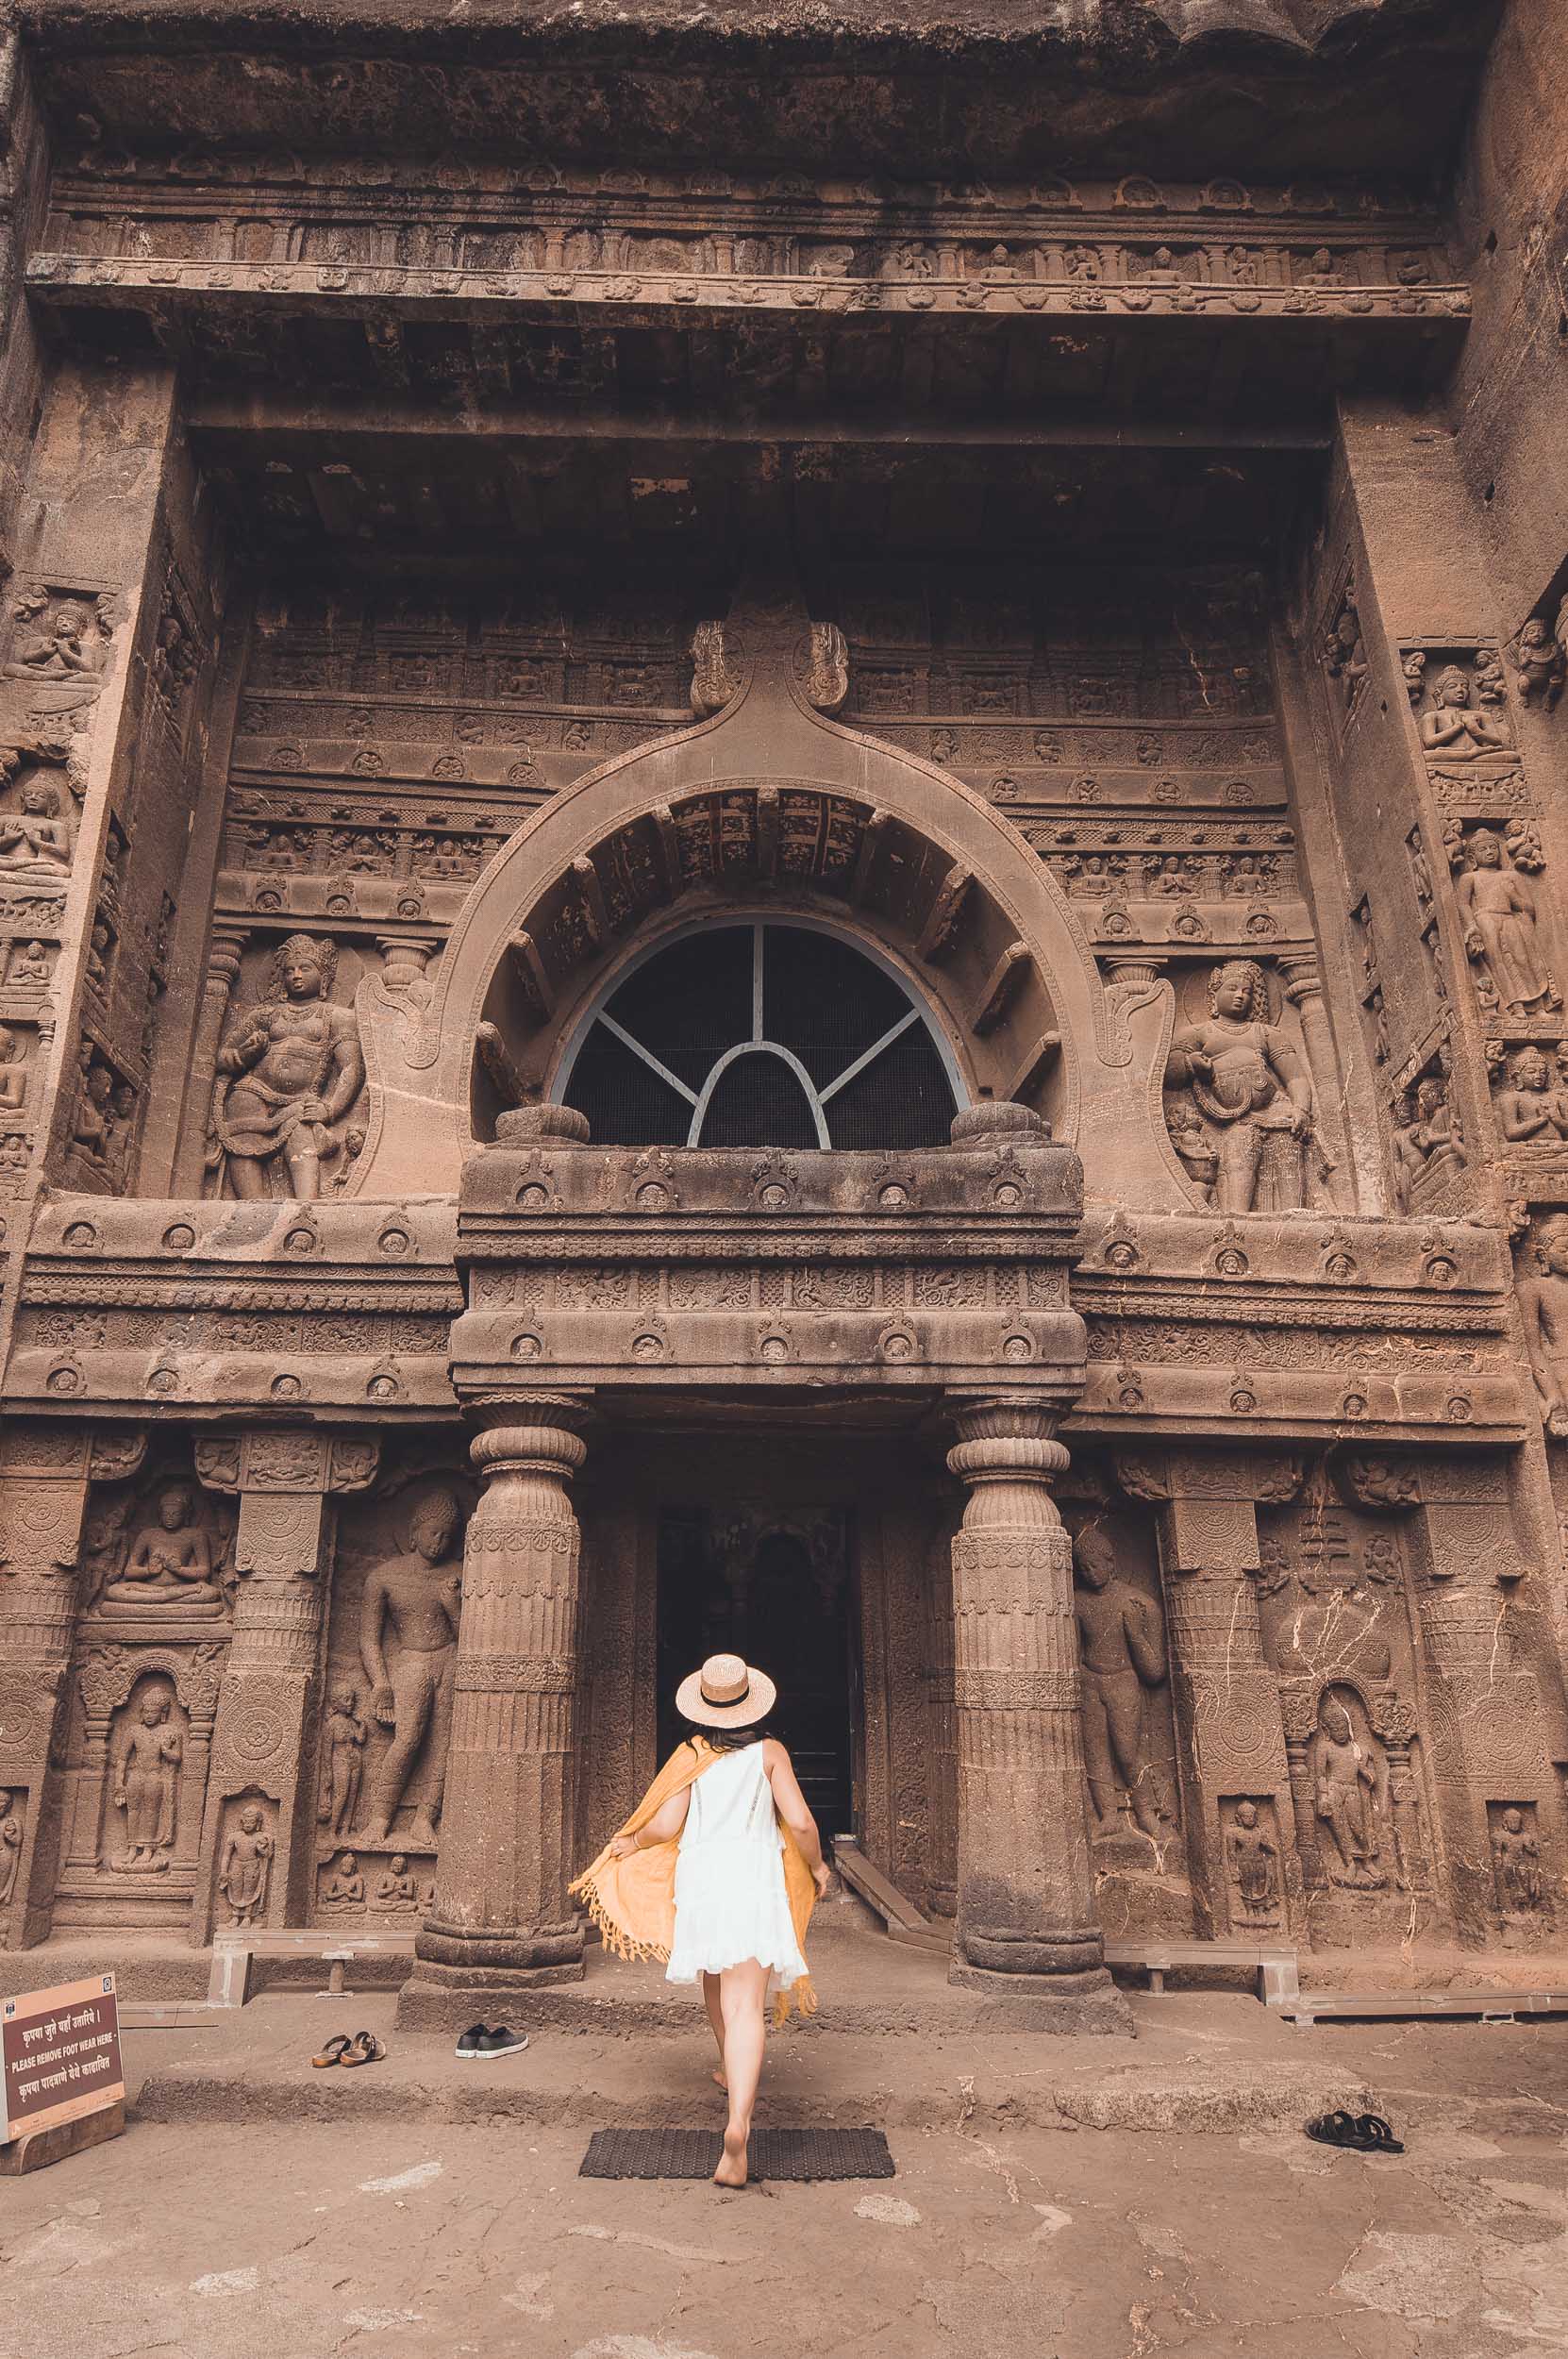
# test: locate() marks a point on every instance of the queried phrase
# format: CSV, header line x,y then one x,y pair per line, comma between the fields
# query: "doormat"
x,y
801,2154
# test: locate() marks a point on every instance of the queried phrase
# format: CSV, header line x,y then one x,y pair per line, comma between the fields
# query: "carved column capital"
x,y
1301,977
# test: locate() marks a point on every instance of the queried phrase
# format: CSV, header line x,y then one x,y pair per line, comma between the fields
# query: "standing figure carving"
x,y
1254,1862
289,1075
344,1741
1544,1302
1122,1649
414,1600
1348,1779
1250,1083
1516,1857
146,1787
246,1867
11,1848
1498,908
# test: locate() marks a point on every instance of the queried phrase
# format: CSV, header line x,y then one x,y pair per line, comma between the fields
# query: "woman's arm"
x,y
665,1824
793,1807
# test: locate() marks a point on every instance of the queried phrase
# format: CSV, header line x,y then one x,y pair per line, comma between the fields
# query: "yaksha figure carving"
x,y
1348,1779
1122,1648
296,1069
415,1600
1254,1862
146,1784
1516,1856
1250,1083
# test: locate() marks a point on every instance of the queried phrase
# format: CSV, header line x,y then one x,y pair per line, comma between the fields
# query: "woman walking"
x,y
716,1873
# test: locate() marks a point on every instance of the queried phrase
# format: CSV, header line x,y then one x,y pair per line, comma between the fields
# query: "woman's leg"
x,y
743,1997
715,2017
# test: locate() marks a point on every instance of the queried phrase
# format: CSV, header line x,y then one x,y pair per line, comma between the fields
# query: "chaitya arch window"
x,y
761,1034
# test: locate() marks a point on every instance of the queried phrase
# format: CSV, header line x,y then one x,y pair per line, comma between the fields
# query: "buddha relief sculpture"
x,y
344,1744
1249,1082
246,1867
1254,1860
409,1647
13,1070
1349,1780
1454,727
1544,1303
10,1846
145,1784
168,1566
1497,911
1532,1103
1516,1865
70,643
36,842
396,1887
343,1882
1122,1649
289,1075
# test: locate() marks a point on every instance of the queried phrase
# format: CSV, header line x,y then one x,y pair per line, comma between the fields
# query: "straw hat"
x,y
726,1694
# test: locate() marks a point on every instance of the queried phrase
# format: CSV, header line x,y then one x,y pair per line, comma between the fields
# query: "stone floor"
x,y
1055,2199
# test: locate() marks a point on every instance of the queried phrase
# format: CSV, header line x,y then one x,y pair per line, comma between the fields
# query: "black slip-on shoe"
x,y
502,2041
469,2043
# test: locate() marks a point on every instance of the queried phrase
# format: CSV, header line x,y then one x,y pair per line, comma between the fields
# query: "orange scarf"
x,y
632,1900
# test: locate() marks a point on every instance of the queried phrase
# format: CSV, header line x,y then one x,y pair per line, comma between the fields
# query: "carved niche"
x,y
391,1662
291,1074
136,1760
1239,1096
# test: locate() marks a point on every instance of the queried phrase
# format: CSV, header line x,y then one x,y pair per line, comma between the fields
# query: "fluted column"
x,y
1026,1910
941,1783
1304,989
501,1916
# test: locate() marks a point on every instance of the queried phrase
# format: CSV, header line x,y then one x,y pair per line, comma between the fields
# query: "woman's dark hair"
x,y
731,1740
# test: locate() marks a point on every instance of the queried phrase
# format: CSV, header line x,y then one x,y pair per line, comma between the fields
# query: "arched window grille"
x,y
761,1034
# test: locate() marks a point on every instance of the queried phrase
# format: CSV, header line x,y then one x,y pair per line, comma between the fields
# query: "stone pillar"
x,y
44,1477
1482,1716
1304,989
1027,1921
942,1784
1230,1735
501,1920
223,973
262,1745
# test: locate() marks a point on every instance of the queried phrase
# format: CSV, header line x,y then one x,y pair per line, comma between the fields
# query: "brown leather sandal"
x,y
363,2049
336,2051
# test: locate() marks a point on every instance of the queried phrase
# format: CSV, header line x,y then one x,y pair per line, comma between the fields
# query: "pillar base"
x,y
1086,2005
450,1997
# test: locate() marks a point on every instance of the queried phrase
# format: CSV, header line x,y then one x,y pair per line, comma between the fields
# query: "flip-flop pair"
x,y
344,2048
1361,2133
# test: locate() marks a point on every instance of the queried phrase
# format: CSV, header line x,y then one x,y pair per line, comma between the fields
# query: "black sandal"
x,y
335,2051
1364,2133
363,2049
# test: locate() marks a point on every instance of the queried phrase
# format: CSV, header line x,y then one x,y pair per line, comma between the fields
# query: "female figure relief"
x,y
297,1070
1251,1086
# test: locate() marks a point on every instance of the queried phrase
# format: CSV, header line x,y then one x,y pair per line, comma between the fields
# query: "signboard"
x,y
59,2055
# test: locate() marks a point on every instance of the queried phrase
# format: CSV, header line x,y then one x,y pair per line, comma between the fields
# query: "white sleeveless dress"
x,y
730,1900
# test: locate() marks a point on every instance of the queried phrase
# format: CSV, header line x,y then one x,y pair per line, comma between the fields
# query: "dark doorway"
x,y
775,1587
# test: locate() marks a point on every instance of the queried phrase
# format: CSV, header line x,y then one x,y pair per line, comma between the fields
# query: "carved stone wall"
x,y
1127,606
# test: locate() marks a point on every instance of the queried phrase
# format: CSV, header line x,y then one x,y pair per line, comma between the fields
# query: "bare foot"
x,y
718,2075
732,2162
